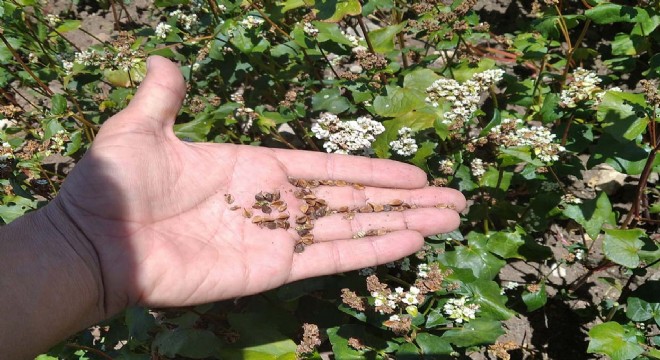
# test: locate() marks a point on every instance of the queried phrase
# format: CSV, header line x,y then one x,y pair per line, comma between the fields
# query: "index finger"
x,y
356,169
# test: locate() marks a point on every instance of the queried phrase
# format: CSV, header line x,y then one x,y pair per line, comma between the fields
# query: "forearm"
x,y
50,283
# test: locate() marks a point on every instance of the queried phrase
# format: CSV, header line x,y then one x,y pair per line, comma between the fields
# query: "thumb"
x,y
159,97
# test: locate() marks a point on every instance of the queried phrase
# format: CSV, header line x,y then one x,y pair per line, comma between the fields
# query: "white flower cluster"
x,y
583,87
446,166
405,145
540,139
571,199
464,98
162,29
346,137
423,271
88,58
310,29
460,310
410,298
57,143
6,152
53,20
251,21
187,20
355,40
478,167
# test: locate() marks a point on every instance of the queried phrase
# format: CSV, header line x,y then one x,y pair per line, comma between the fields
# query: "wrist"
x,y
51,281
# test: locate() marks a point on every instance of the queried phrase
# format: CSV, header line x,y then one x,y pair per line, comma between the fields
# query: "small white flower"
x,y
162,29
53,20
405,145
395,318
477,167
251,21
310,29
460,310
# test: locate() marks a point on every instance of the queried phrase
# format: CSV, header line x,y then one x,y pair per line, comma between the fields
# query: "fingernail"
x,y
148,63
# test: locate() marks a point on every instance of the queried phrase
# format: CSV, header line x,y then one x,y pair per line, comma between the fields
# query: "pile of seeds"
x,y
274,216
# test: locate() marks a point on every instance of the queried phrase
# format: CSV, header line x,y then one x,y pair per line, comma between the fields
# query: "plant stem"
x,y
25,67
641,185
365,34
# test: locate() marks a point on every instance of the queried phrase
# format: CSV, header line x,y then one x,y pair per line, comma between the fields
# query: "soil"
x,y
556,331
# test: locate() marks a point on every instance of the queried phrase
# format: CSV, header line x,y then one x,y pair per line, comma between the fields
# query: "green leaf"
x,y
68,25
130,78
336,10
608,13
488,295
407,351
15,207
399,101
464,71
339,336
267,337
535,300
330,32
641,310
192,343
475,257
615,341
330,100
432,344
195,130
591,214
493,179
505,244
476,332
382,39
166,3
6,55
420,79
622,115
622,246
58,106
623,45
139,321
425,150
289,5
550,111
435,318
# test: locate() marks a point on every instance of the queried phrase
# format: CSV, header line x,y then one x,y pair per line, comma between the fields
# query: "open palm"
x,y
156,208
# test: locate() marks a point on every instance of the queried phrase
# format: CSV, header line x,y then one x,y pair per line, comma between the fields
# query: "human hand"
x,y
155,208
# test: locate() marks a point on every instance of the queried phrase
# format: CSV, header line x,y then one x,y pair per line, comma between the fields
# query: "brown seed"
x,y
311,202
257,219
387,207
302,183
302,232
378,207
247,213
307,226
282,224
266,209
341,183
300,247
365,209
321,202
328,182
396,202
271,225
320,212
314,183
301,219
256,205
277,203
309,197
268,197
343,209
304,208
307,239
298,194
276,195
234,208
349,216
358,186
282,216
292,181
229,198
282,208
259,197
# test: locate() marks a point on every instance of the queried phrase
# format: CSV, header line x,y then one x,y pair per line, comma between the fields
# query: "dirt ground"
x,y
557,331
